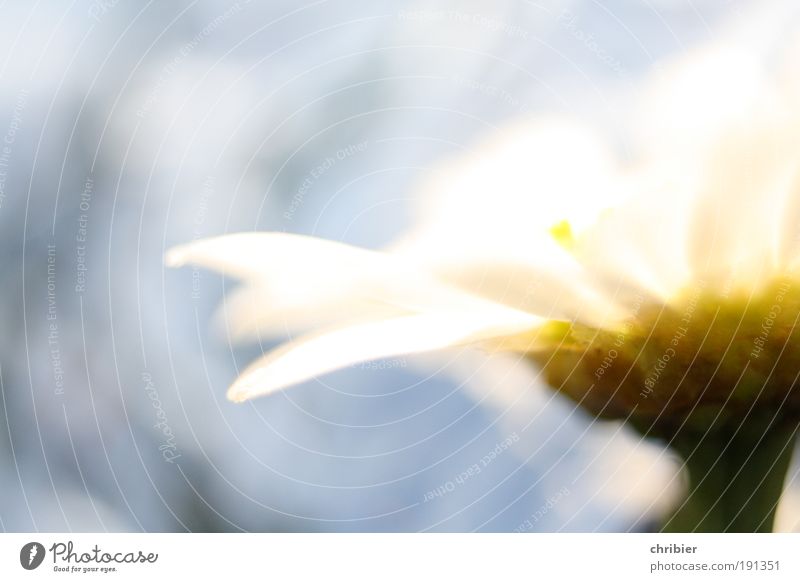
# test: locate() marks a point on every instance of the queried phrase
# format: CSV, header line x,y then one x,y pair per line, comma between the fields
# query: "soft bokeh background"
x,y
129,127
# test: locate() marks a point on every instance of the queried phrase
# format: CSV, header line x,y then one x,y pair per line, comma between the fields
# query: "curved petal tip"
x,y
175,257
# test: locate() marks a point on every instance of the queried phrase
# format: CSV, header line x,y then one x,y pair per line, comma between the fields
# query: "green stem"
x,y
736,478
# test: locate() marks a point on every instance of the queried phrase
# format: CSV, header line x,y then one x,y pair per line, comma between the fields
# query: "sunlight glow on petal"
x,y
325,352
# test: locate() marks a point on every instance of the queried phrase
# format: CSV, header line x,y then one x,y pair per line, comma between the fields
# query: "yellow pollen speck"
x,y
563,235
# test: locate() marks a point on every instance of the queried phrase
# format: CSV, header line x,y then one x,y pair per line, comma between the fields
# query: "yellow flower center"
x,y
705,358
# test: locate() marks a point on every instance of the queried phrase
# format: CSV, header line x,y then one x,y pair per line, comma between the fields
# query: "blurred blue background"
x,y
130,127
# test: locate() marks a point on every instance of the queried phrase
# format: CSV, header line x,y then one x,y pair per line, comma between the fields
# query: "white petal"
x,y
485,219
258,312
719,125
292,283
259,255
318,354
640,248
295,283
515,186
745,220
789,244
689,102
556,289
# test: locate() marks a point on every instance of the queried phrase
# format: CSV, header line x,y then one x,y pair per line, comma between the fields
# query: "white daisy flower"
x,y
659,288
540,237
